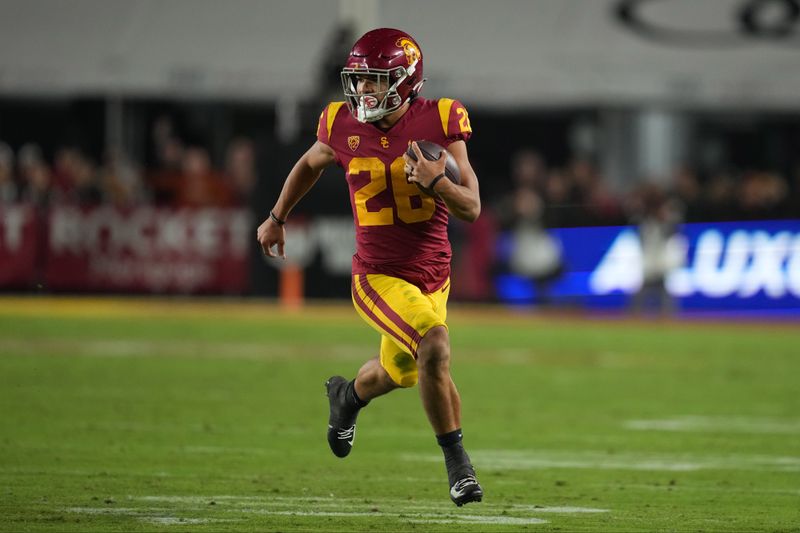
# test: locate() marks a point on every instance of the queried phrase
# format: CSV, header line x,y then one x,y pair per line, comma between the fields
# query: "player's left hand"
x,y
422,170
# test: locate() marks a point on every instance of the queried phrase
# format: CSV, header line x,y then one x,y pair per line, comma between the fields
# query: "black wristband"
x,y
276,219
435,180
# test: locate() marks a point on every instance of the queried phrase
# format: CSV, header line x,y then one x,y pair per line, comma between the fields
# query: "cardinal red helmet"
x,y
391,58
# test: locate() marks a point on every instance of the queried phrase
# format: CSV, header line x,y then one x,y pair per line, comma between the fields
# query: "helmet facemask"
x,y
370,107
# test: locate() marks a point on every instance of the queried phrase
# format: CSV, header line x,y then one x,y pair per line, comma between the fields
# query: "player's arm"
x,y
463,200
302,177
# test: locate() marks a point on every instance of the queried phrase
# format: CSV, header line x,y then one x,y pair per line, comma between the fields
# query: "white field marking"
x,y
129,511
176,348
567,509
175,521
303,502
177,427
702,488
419,518
480,519
536,460
717,424
154,515
34,470
405,510
149,515
428,512
333,501
199,499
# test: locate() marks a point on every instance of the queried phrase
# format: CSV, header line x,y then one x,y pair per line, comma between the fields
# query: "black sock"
x,y
352,395
448,439
455,457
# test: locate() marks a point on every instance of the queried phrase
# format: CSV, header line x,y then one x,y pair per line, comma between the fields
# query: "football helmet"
x,y
394,60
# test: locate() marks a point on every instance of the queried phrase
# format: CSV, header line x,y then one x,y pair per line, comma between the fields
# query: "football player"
x,y
401,268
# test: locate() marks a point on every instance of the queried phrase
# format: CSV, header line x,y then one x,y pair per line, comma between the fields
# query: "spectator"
x,y
200,185
598,204
719,198
8,185
121,181
164,179
794,199
82,188
35,175
656,217
762,195
687,191
528,172
561,209
240,169
532,253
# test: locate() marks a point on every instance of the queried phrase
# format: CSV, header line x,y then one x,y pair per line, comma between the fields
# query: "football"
x,y
431,151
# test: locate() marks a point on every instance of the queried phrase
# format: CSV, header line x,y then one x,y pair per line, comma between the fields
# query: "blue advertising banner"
x,y
745,266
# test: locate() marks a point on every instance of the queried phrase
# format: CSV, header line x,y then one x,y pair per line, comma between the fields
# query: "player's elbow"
x,y
474,214
470,213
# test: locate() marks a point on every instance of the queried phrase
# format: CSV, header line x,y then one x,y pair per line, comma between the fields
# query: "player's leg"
x,y
373,380
346,398
455,399
344,406
392,369
435,384
443,406
415,323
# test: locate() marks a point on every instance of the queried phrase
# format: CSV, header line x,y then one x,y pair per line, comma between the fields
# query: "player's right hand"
x,y
271,234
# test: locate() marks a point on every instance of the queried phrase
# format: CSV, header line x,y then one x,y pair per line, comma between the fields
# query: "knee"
x,y
433,354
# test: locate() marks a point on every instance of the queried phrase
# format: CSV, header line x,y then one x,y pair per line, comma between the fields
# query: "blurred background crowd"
x,y
182,173
602,127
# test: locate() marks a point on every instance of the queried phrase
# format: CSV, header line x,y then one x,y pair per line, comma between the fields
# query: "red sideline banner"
x,y
138,250
18,246
148,249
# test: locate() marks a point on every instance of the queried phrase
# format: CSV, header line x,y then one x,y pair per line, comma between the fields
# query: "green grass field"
x,y
154,415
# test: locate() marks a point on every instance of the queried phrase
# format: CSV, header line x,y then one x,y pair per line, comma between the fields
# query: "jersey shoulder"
x,y
453,117
335,113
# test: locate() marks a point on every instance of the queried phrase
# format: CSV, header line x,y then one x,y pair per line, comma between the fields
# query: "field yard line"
x,y
175,521
197,499
479,519
149,515
105,510
419,518
703,488
567,509
155,515
704,424
134,348
323,504
543,459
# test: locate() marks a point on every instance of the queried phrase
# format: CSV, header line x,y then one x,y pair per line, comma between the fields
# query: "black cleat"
x,y
342,418
465,490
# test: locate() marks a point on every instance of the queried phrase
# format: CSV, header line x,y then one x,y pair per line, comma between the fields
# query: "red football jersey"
x,y
400,231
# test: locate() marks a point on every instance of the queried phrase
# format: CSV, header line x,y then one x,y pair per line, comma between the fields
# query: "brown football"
x,y
431,151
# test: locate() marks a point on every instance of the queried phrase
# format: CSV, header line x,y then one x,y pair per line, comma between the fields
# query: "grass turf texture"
x,y
152,415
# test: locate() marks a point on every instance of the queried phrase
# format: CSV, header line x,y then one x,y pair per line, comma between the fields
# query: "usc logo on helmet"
x,y
410,49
